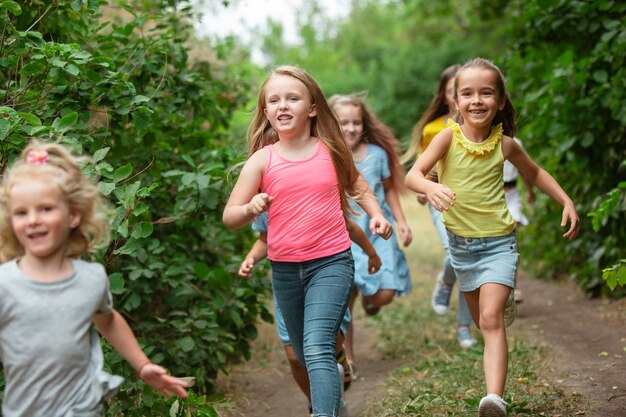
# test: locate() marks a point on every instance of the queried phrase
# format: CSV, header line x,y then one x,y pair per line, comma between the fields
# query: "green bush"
x,y
123,90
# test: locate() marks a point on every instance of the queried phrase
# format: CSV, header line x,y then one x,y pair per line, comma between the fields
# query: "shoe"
x,y
465,338
347,369
519,296
440,301
355,374
510,310
492,406
343,404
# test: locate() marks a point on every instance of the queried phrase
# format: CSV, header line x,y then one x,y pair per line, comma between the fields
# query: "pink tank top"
x,y
305,220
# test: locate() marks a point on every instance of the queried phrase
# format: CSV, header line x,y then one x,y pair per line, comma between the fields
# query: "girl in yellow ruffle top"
x,y
470,194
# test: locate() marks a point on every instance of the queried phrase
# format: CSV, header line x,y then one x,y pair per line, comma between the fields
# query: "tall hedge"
x,y
115,82
567,65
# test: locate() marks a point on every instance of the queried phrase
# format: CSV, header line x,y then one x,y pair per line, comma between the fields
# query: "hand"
x,y
422,199
569,213
156,376
380,226
406,236
531,197
373,264
245,269
259,203
440,196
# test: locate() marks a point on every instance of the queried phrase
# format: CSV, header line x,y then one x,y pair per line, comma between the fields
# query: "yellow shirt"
x,y
474,172
430,130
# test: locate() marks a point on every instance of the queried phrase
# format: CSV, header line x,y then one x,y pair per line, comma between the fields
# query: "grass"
x,y
439,378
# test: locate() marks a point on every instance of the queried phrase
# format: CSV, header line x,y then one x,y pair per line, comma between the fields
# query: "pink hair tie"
x,y
37,157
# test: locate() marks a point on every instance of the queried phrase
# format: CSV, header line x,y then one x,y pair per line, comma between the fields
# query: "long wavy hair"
x,y
507,116
375,132
60,169
324,125
437,108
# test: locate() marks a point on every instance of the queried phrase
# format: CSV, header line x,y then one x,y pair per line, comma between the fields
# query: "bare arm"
x,y
245,201
119,334
358,236
439,195
402,227
257,253
378,224
544,181
530,193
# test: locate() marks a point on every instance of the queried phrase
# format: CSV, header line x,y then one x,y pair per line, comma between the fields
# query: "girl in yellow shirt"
x,y
470,194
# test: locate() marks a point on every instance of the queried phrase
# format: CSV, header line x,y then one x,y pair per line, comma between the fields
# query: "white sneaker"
x,y
492,406
510,309
440,300
343,404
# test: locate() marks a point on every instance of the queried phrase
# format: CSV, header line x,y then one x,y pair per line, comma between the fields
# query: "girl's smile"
x,y
41,218
351,122
478,101
288,106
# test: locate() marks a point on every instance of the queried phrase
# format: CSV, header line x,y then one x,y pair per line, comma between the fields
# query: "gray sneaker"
x,y
440,300
343,404
510,309
465,338
492,406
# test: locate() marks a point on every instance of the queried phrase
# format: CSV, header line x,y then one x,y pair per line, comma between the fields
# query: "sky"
x,y
242,16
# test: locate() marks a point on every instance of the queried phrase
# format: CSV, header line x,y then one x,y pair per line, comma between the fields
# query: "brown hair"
x,y
437,108
375,132
507,116
324,125
60,168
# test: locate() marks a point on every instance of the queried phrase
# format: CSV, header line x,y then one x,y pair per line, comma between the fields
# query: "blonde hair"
x,y
324,125
375,132
437,108
58,167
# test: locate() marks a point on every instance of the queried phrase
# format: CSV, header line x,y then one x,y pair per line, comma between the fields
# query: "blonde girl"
x,y
300,171
50,214
470,193
374,149
432,122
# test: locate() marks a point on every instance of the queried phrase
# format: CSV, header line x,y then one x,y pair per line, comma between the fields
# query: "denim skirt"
x,y
482,260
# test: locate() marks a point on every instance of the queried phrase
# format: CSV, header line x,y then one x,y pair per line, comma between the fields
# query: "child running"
x,y
373,148
301,172
50,214
257,253
470,193
432,122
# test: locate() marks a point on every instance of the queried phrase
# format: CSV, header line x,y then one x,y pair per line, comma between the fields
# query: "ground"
x,y
584,340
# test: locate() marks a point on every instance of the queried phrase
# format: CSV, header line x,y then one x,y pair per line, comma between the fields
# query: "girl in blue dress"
x,y
374,147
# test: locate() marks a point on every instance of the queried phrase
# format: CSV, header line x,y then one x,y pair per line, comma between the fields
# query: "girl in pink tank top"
x,y
300,171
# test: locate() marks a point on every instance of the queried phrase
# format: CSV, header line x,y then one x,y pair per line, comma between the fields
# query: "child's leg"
x,y
298,371
326,298
487,308
374,302
350,334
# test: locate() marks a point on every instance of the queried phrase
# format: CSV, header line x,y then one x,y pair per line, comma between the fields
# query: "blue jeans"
x,y
463,317
313,298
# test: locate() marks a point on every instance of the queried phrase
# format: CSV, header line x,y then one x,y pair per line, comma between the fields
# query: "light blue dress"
x,y
394,273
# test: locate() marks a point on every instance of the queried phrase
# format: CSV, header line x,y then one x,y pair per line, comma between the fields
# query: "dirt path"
x,y
264,387
586,338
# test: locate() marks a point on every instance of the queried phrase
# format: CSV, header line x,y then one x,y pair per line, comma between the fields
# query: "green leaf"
x,y
116,282
600,76
11,6
187,344
31,119
100,154
174,409
142,230
106,188
201,269
66,122
5,126
122,172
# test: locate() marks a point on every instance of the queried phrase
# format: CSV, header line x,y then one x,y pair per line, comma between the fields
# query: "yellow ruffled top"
x,y
483,148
